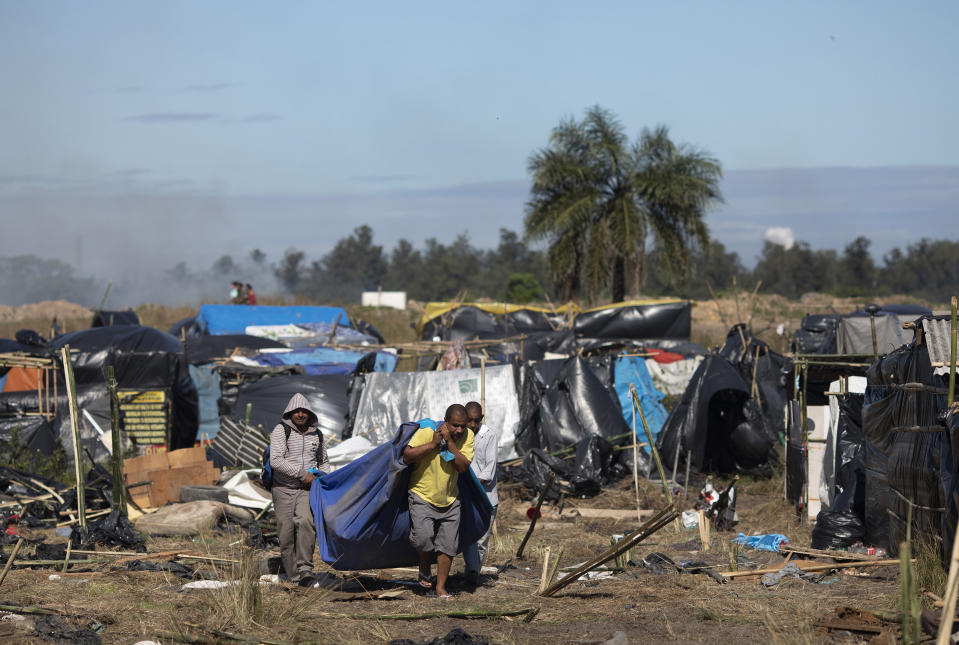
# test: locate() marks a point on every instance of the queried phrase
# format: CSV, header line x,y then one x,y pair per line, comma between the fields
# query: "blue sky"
x,y
239,124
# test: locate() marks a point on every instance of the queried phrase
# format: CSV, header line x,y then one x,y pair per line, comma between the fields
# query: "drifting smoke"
x,y
781,235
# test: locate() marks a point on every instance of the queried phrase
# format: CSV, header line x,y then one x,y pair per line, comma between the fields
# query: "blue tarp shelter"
x,y
362,513
632,369
216,320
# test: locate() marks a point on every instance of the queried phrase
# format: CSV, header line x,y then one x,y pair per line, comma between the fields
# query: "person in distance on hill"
x,y
250,294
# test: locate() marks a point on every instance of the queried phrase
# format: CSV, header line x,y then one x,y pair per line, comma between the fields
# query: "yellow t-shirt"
x,y
433,479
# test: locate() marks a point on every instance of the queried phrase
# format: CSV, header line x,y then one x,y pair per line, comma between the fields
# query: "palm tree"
x,y
596,200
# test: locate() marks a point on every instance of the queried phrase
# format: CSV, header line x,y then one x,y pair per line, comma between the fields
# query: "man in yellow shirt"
x,y
439,456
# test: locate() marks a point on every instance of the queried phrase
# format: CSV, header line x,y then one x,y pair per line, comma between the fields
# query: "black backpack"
x,y
266,470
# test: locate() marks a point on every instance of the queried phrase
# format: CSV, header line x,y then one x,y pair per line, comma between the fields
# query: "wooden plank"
x,y
187,457
591,513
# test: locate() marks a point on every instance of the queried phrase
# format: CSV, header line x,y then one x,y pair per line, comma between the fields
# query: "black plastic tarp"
x,y
756,362
816,334
903,466
843,523
327,395
34,434
115,318
142,358
200,350
561,402
658,320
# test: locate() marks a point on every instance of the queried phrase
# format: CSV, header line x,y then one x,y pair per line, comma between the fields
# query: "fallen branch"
x,y
29,609
477,613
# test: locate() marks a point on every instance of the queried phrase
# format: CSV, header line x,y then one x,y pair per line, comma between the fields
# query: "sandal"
x,y
425,581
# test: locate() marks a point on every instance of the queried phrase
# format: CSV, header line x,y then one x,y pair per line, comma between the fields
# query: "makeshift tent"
x,y
361,511
854,333
269,396
718,421
820,333
562,402
903,466
388,398
215,320
158,399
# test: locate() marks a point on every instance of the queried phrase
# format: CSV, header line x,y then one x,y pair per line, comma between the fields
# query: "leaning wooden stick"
x,y
13,556
652,444
532,522
75,425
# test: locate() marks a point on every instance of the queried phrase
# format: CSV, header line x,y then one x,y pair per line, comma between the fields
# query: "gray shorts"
x,y
434,528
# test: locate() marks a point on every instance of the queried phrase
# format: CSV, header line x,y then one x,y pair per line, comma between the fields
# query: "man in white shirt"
x,y
486,446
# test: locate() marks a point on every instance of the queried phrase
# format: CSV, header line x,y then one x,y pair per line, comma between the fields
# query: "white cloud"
x,y
781,235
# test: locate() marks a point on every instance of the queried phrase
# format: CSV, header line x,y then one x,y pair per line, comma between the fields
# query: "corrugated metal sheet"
x,y
240,444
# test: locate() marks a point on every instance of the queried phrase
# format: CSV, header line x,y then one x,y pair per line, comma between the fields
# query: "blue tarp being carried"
x,y
215,320
325,360
632,369
362,513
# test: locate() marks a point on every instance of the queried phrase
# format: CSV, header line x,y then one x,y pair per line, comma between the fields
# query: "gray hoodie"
x,y
291,458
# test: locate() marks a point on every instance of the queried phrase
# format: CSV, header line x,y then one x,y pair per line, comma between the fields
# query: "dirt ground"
x,y
646,606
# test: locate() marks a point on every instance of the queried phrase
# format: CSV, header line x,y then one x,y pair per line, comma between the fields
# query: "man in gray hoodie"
x,y
296,447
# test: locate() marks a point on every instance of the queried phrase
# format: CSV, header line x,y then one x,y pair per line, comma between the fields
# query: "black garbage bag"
x,y
533,473
591,467
837,530
112,530
177,569
44,551
455,637
657,562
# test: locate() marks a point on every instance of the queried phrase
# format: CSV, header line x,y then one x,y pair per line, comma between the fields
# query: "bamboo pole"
x,y
704,538
639,515
116,456
532,522
66,560
951,595
652,445
13,556
952,355
544,576
75,425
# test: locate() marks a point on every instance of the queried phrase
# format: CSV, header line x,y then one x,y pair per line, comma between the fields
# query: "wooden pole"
x,y
13,556
658,521
532,522
544,576
704,538
814,566
75,425
483,383
116,458
952,592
